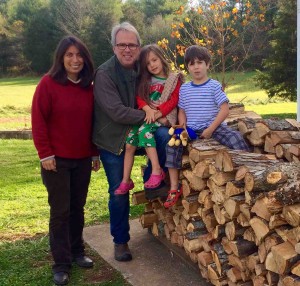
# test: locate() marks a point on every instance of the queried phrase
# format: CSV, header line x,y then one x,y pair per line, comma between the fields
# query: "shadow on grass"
x,y
29,261
26,81
280,116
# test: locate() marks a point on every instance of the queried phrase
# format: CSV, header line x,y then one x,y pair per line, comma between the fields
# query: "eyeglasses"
x,y
131,47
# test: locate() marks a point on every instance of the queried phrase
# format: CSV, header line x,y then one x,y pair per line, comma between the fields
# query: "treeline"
x,y
31,29
259,33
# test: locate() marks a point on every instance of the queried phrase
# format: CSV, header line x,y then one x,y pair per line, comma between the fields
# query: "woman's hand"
x,y
49,164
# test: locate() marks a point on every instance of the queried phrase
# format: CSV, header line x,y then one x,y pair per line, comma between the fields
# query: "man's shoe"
x,y
84,261
122,252
61,278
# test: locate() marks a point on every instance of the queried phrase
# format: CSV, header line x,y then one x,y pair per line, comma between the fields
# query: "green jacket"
x,y
115,100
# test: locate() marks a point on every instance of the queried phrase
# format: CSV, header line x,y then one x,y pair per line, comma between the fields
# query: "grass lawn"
x,y
24,220
16,96
23,199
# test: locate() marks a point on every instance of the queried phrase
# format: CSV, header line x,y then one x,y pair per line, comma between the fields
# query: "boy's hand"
x,y
206,134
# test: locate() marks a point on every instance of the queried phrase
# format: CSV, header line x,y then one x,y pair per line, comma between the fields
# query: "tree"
x,y
279,74
227,29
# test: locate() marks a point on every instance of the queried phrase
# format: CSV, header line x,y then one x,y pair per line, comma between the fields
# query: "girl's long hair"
x,y
58,71
144,77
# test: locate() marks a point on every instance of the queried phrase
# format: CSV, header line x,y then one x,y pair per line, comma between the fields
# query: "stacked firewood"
x,y
280,137
239,215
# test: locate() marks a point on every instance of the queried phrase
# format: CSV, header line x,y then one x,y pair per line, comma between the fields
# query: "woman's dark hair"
x,y
144,77
58,72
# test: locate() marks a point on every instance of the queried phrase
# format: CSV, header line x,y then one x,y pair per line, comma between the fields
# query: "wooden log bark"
x,y
190,203
242,248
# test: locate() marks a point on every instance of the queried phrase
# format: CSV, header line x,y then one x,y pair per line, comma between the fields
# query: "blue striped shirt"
x,y
201,103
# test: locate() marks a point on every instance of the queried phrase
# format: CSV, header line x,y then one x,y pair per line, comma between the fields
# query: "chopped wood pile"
x,y
239,215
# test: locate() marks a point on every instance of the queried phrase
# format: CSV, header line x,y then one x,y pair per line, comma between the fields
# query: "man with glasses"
x,y
114,114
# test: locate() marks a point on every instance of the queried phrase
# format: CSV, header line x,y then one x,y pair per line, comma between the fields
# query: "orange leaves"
x,y
175,34
180,10
180,50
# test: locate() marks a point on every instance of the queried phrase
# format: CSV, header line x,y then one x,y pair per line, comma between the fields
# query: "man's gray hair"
x,y
125,26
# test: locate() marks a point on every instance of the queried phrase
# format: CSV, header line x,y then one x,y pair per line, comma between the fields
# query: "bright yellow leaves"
x,y
235,10
163,43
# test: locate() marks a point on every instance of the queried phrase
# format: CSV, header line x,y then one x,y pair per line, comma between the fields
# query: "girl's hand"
x,y
49,164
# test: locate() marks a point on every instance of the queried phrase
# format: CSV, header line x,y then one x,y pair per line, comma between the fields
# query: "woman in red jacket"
x,y
62,109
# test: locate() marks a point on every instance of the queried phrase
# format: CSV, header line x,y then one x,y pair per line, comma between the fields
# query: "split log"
x,y
268,146
205,258
138,198
221,178
245,210
292,214
204,149
277,220
291,280
192,245
260,208
239,263
243,220
234,188
296,269
272,278
195,225
232,205
242,248
147,219
190,203
195,182
219,257
279,137
260,227
221,215
234,274
246,125
233,230
289,193
258,280
249,235
251,261
201,169
218,232
285,257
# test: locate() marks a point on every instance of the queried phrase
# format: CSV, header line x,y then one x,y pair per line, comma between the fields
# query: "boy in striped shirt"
x,y
203,106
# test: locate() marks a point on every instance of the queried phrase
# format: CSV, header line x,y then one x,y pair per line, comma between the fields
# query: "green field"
x,y
23,198
16,96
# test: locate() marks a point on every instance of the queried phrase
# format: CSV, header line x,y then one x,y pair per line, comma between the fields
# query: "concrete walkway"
x,y
153,262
